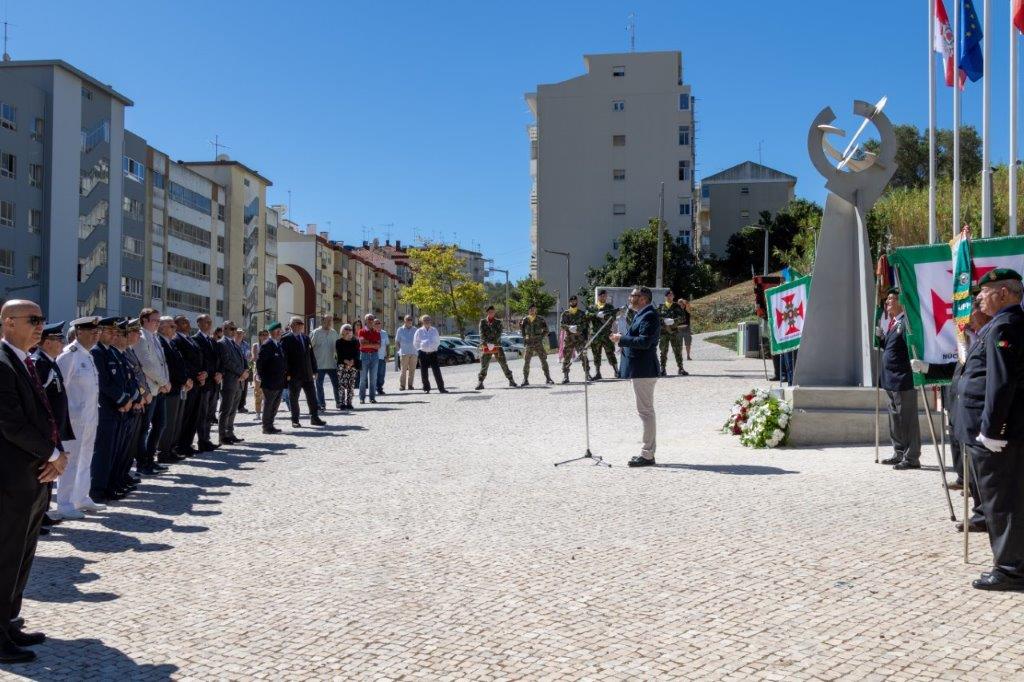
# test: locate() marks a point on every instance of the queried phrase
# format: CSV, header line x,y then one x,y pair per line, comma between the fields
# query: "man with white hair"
x,y
369,355
298,354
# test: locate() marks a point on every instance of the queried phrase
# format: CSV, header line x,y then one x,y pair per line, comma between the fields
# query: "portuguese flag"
x,y
924,275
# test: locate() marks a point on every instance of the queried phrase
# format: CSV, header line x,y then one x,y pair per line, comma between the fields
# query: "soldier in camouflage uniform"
x,y
534,330
599,315
672,316
574,324
490,335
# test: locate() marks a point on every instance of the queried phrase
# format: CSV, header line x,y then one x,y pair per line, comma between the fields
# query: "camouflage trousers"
x,y
485,360
609,348
567,353
677,349
538,350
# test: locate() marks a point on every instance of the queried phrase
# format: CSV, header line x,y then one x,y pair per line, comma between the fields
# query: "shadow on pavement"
x,y
77,659
732,469
56,579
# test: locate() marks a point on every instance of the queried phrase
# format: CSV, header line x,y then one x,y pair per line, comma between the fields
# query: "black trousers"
x,y
22,503
271,403
430,360
207,410
307,387
228,408
1001,485
190,418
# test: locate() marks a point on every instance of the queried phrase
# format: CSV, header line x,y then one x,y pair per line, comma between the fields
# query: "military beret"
x,y
109,321
90,322
489,308
54,330
533,305
601,292
999,275
273,325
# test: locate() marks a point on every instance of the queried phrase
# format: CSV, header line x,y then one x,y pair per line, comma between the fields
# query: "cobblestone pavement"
x,y
430,536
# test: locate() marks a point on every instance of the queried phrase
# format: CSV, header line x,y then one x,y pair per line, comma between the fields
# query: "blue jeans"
x,y
382,366
332,374
368,375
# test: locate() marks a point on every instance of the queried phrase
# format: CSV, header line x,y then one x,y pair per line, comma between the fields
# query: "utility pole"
x,y
567,271
492,270
660,261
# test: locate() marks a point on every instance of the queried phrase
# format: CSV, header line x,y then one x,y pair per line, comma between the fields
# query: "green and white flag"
x,y
924,275
787,309
963,302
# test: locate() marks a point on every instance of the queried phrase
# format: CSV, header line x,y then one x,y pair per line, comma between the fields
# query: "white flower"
x,y
778,435
783,419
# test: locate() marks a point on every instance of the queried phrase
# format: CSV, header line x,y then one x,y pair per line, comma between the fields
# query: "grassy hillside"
x,y
724,309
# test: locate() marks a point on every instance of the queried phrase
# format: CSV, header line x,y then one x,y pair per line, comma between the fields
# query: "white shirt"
x,y
427,340
382,352
21,356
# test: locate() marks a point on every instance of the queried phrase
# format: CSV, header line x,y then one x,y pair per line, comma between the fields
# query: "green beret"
x,y
273,325
999,275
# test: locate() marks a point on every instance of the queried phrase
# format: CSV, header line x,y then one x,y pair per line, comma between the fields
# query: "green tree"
x,y
792,233
527,292
440,285
912,155
635,263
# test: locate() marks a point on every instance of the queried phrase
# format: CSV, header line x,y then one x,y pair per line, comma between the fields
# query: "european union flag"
x,y
971,59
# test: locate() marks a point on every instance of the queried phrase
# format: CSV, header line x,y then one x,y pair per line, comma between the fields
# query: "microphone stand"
x,y
597,459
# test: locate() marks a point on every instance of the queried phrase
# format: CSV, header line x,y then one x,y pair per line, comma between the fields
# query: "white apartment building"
x,y
600,148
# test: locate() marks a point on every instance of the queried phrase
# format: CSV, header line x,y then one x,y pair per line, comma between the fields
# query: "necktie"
x,y
54,437
892,323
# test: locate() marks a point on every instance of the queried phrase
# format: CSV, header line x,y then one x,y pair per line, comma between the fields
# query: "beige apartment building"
x,y
250,251
600,148
733,199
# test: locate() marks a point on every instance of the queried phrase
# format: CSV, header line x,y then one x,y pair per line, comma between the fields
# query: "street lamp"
x,y
765,228
567,270
492,270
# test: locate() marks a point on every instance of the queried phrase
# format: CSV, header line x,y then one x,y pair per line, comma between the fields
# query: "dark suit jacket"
x,y
640,346
230,361
210,357
113,377
53,384
191,354
272,367
895,371
25,437
177,370
298,354
990,391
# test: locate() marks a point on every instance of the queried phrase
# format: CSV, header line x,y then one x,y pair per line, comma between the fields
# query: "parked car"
x,y
512,350
450,356
456,343
473,338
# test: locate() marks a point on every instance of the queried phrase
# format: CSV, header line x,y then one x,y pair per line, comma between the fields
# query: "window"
x,y
684,170
188,301
35,264
619,174
220,212
220,276
220,244
245,181
156,292
684,101
618,105
6,262
685,238
744,213
134,247
618,209
38,128
8,116
86,93
35,220
159,180
133,169
705,192
131,287
220,309
189,232
684,135
7,214
618,140
183,265
744,190
618,71
35,175
8,165
193,200
96,136
133,207
684,208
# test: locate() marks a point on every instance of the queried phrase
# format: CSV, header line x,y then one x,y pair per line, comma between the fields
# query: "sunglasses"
x,y
34,320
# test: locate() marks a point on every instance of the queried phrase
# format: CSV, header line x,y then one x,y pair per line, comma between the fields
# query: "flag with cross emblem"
x,y
787,312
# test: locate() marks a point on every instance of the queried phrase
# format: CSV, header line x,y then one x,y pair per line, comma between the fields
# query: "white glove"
x,y
572,328
601,314
991,443
669,321
919,366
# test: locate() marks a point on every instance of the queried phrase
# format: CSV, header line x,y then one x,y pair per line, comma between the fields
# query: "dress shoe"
x,y
997,582
49,520
168,459
526,382
208,447
18,623
639,461
43,530
160,468
185,452
26,638
892,460
91,506
549,381
662,373
904,465
683,372
442,390
973,527
566,379
380,391
373,400
135,479
597,376
318,422
243,410
426,390
236,439
149,470
272,430
512,383
69,515
12,653
296,425
955,485
479,386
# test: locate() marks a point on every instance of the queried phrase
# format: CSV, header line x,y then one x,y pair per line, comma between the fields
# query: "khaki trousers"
x,y
407,365
643,390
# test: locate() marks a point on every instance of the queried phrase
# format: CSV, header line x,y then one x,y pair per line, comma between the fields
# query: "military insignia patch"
x,y
1003,343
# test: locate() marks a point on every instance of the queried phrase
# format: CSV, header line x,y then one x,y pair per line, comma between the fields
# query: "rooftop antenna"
x,y
217,146
760,152
289,209
387,230
631,31
6,57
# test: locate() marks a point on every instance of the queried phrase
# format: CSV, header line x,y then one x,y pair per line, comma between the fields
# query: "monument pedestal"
x,y
841,415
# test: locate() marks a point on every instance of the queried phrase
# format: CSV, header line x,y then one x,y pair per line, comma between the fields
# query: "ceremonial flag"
x,y
787,310
924,275
1017,13
942,41
971,59
883,283
962,299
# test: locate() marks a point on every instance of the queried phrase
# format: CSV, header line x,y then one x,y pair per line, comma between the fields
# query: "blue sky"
x,y
411,114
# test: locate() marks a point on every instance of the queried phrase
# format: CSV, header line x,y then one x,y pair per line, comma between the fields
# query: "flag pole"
x,y
933,232
956,115
986,94
1012,190
967,493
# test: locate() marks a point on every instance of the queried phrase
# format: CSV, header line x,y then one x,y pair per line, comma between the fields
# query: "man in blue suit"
x,y
640,365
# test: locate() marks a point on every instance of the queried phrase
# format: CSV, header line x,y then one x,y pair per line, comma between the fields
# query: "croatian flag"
x,y
942,42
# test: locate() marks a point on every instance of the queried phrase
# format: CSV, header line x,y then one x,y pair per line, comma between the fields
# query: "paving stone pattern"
x,y
428,537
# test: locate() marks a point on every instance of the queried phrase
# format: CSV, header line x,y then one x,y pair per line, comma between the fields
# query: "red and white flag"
x,y
942,41
1017,14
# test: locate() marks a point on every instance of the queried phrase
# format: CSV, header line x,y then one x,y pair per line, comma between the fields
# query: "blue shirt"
x,y
404,338
383,352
